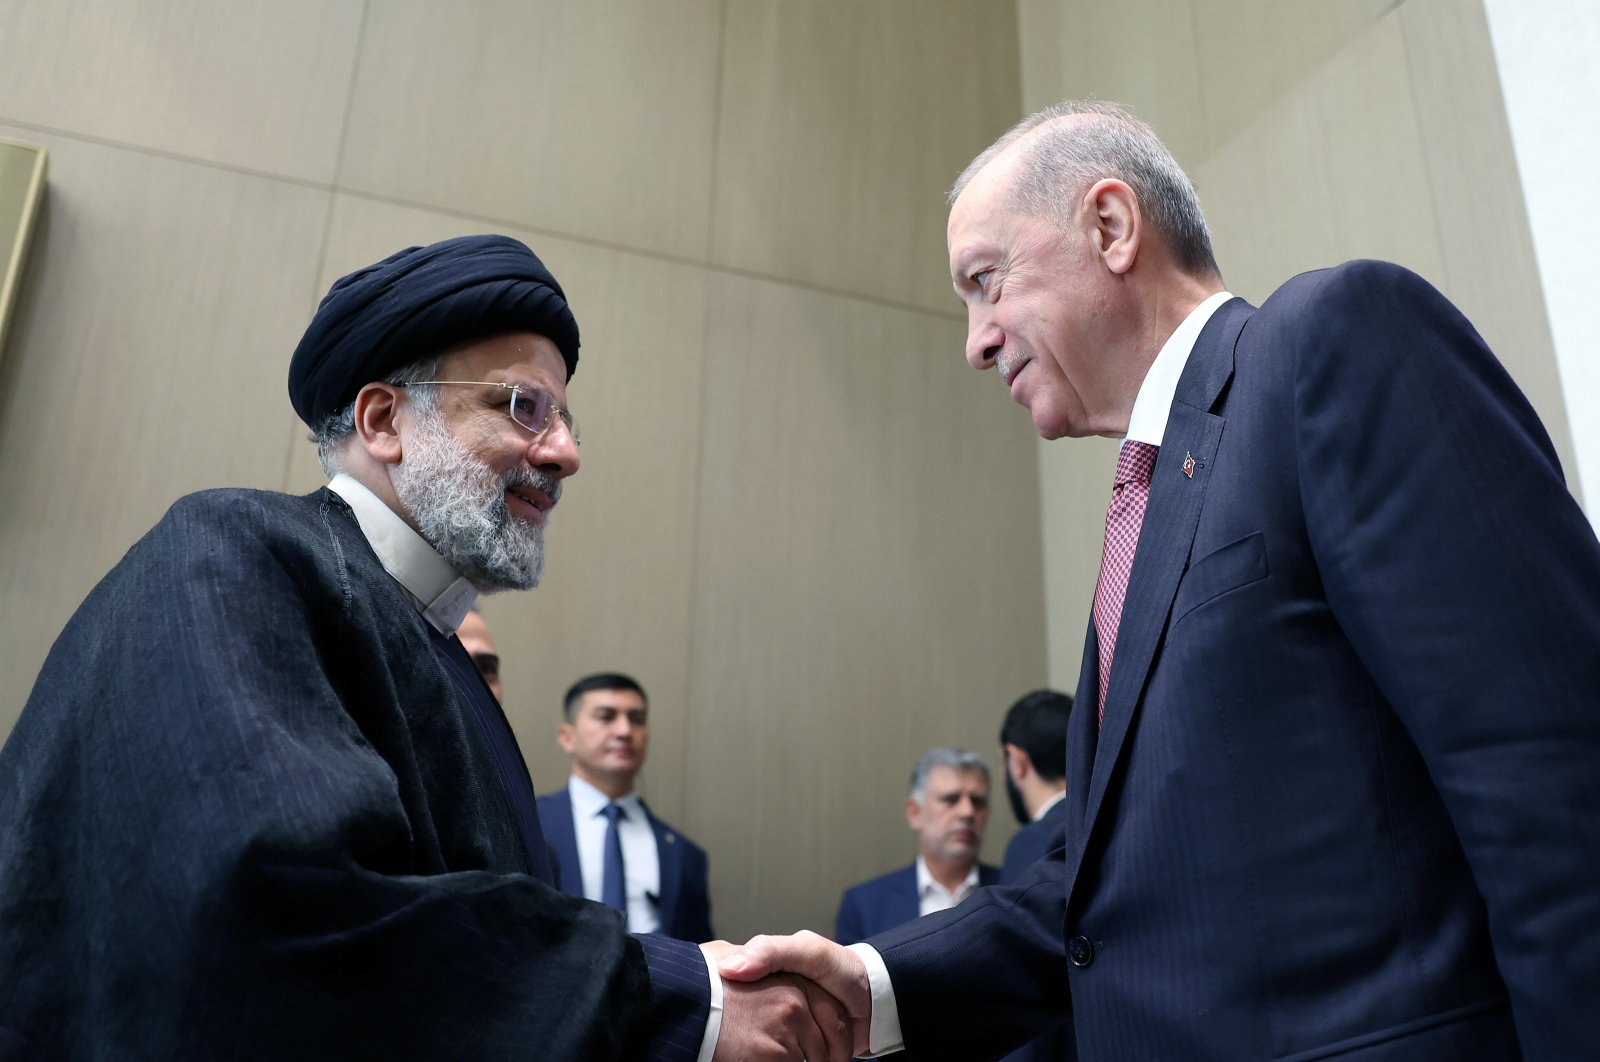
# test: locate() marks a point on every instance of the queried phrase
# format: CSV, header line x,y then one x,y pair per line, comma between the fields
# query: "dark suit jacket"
x,y
246,813
685,901
1029,845
1346,798
887,901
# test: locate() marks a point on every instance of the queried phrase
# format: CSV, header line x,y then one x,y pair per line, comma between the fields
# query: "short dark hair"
x,y
604,680
1037,724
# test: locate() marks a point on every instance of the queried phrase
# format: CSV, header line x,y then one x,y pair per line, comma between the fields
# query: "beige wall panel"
x,y
1141,53
843,126
169,292
594,119
1334,171
1489,266
1254,51
867,585
1040,40
1075,477
616,588
254,83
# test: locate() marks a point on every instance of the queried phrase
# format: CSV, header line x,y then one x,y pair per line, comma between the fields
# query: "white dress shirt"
x,y
1146,423
641,864
931,896
442,596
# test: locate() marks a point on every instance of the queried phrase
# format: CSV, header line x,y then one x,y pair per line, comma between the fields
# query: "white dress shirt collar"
x,y
1148,421
440,594
587,800
933,896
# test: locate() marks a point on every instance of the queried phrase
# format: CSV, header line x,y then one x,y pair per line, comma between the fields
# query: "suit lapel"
x,y
1177,495
907,904
669,860
563,837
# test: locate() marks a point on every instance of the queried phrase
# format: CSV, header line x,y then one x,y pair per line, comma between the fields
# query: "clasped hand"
x,y
797,997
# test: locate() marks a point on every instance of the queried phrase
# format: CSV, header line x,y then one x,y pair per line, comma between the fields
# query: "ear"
x,y
1018,763
913,814
377,409
1118,224
565,737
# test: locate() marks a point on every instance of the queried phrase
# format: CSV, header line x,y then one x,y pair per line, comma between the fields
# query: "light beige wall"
x,y
1316,131
801,521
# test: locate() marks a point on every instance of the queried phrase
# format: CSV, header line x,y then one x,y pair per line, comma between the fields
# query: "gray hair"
x,y
337,427
943,756
1058,159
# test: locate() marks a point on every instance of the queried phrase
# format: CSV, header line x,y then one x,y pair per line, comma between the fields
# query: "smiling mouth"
x,y
540,502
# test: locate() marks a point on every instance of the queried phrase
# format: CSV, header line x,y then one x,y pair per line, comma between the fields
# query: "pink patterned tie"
x,y
1124,517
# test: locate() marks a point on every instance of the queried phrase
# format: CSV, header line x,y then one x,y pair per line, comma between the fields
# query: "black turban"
x,y
420,302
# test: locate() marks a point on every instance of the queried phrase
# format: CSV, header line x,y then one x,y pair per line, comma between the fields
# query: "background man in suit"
x,y
260,803
1332,782
1033,743
627,859
479,644
948,810
1033,746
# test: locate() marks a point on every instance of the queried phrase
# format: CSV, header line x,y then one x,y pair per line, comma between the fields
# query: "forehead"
x,y
942,778
981,214
519,357
623,700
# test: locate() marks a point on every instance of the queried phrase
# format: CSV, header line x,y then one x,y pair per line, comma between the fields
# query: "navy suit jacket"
x,y
887,901
1346,796
1033,841
1029,845
685,901
249,813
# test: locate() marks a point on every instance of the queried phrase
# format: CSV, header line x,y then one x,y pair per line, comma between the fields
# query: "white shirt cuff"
x,y
884,1036
708,1046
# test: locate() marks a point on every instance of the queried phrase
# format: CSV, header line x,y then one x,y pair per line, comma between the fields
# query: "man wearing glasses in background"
x,y
260,804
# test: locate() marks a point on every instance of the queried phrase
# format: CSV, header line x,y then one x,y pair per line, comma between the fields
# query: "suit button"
x,y
1080,951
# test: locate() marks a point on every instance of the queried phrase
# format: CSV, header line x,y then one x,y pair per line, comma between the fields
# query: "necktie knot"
x,y
1135,462
613,812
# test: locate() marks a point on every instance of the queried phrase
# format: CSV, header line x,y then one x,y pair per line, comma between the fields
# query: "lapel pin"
x,y
1188,464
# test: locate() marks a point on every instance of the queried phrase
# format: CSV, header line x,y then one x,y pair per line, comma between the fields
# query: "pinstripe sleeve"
x,y
680,1000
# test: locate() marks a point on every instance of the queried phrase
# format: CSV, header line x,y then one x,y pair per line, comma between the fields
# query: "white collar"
x,y
925,880
1148,421
442,596
1044,809
587,801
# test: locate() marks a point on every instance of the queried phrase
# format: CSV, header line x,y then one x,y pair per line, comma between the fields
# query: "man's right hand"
x,y
832,974
779,1017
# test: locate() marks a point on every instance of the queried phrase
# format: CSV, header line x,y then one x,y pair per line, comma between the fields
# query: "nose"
x,y
984,338
554,450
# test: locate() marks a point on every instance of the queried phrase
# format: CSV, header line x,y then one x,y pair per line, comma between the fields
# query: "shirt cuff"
x,y
884,1036
708,1046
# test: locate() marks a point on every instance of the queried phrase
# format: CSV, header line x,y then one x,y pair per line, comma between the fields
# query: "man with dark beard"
x,y
261,804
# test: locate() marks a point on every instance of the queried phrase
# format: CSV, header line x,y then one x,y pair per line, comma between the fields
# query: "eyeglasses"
x,y
532,408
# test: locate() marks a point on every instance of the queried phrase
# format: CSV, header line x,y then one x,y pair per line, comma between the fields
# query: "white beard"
x,y
459,505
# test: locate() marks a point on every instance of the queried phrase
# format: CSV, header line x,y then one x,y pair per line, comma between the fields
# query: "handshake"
x,y
798,997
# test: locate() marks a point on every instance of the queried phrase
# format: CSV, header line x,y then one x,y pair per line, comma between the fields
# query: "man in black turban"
x,y
260,803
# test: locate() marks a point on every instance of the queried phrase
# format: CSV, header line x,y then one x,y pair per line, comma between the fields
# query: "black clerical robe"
x,y
246,814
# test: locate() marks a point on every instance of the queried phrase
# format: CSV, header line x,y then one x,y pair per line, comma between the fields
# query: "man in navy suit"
x,y
606,733
948,809
1033,743
1334,764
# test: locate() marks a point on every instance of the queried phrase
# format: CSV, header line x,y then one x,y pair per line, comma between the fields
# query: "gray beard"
x,y
459,505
